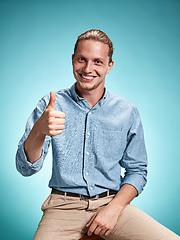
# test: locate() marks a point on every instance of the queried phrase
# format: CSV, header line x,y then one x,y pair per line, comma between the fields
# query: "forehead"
x,y
92,48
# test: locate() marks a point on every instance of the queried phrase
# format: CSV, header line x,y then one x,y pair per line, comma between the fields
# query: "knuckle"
x,y
50,120
97,222
51,133
50,113
50,127
110,228
106,226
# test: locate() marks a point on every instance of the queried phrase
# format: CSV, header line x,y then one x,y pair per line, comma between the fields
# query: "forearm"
x,y
34,144
125,195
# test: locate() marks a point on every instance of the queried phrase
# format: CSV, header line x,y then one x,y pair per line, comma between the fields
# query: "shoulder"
x,y
120,102
125,108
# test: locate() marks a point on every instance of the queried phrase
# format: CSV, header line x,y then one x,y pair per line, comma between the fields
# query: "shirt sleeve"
x,y
135,158
25,167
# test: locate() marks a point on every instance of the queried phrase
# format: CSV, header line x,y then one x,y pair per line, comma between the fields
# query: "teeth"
x,y
86,77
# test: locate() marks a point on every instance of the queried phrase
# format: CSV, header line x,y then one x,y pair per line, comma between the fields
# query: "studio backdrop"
x,y
37,38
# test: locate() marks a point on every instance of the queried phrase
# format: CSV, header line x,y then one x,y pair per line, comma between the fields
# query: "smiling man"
x,y
91,63
102,133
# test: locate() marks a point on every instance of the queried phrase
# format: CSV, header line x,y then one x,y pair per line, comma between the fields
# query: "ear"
x,y
72,57
110,66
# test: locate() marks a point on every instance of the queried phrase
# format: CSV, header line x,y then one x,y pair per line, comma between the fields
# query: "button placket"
x,y
87,150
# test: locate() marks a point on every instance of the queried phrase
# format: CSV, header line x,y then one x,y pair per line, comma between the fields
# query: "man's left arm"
x,y
135,163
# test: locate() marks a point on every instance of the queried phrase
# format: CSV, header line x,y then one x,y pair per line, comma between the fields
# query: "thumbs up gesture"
x,y
51,121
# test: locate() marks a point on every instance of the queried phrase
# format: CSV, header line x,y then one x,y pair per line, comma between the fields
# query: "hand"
x,y
104,221
51,122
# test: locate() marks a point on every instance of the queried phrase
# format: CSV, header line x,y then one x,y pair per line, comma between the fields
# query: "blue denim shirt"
x,y
88,155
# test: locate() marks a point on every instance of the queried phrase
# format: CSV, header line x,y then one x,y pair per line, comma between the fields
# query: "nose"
x,y
88,68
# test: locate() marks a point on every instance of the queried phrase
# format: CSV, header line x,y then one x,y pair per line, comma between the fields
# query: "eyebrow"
x,y
96,58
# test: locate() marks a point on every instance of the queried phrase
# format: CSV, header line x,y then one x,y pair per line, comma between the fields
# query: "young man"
x,y
102,132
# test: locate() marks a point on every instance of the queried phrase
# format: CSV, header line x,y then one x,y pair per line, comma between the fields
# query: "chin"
x,y
86,86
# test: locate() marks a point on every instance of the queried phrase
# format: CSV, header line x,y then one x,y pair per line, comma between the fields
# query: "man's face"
x,y
91,64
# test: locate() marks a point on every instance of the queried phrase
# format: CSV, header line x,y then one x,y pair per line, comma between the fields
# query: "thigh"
x,y
134,224
63,218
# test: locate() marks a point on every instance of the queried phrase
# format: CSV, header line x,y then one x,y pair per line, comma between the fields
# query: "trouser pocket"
x,y
45,203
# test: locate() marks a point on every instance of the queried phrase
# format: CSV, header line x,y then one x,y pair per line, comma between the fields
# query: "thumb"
x,y
52,100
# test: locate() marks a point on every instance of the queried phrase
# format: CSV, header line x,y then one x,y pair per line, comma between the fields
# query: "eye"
x,y
98,62
81,59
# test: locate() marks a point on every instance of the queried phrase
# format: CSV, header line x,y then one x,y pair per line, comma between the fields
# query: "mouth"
x,y
87,78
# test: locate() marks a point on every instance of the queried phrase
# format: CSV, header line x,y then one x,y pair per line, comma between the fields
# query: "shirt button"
x,y
89,113
88,133
91,188
86,173
87,153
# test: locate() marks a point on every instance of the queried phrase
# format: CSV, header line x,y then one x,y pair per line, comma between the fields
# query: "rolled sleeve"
x,y
135,157
23,165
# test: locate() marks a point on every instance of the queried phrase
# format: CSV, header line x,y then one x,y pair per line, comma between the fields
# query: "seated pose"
x,y
93,134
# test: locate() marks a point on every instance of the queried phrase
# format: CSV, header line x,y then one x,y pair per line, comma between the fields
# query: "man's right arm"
x,y
33,148
50,123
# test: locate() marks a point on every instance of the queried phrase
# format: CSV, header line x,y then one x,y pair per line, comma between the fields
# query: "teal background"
x,y
37,40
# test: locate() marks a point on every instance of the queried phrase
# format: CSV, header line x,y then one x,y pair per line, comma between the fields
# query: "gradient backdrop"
x,y
37,40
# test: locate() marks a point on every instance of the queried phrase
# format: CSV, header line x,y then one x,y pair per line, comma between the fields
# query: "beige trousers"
x,y
64,218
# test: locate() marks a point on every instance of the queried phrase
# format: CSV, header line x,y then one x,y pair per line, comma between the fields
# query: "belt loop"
x,y
107,193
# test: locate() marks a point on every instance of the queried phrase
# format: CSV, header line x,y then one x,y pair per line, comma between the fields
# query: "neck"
x,y
92,96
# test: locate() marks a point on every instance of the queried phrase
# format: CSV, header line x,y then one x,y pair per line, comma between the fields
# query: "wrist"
x,y
125,195
33,144
115,203
36,130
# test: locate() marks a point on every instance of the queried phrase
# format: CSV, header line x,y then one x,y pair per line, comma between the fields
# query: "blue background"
x,y
37,40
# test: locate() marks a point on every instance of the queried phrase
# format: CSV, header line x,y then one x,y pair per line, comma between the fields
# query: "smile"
x,y
87,78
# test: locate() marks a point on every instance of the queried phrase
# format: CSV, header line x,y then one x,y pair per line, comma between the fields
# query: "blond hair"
x,y
96,35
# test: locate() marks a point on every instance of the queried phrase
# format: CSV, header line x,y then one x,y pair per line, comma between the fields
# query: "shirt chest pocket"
x,y
109,143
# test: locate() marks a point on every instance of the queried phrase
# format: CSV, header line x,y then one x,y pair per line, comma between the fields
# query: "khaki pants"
x,y
65,217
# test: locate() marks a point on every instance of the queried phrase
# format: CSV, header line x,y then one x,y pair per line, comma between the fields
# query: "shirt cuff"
x,y
25,167
136,181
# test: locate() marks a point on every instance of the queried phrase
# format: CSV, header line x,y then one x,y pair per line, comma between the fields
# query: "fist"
x,y
51,121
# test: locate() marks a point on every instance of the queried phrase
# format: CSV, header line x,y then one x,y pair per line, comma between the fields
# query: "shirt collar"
x,y
78,98
74,94
104,97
